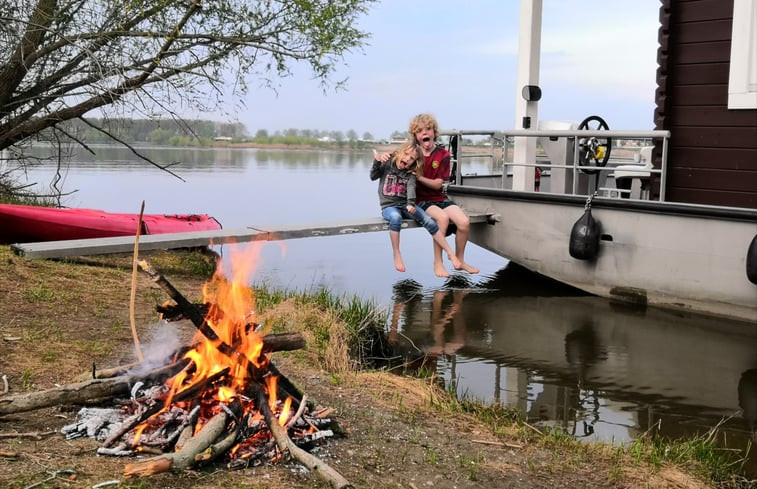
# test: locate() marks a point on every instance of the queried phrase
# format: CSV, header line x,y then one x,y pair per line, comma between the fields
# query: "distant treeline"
x,y
204,133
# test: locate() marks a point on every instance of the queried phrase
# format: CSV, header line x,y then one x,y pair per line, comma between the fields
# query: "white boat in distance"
x,y
678,218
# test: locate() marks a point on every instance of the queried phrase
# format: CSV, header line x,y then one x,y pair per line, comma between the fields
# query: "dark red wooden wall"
x,y
712,153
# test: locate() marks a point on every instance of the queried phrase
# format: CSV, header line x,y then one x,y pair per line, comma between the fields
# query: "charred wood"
x,y
183,395
289,449
187,456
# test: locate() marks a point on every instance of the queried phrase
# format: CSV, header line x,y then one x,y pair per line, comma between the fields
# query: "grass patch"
x,y
699,454
346,333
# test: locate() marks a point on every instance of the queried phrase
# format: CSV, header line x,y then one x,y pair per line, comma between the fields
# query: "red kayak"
x,y
25,224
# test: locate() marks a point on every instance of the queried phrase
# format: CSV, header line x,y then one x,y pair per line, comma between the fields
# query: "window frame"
x,y
742,75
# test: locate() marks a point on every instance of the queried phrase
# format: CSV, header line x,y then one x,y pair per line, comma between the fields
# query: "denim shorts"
x,y
442,205
395,215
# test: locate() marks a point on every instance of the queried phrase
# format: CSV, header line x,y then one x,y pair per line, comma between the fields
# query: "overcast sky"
x,y
457,60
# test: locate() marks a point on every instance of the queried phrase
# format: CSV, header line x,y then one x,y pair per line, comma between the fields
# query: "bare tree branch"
x,y
68,59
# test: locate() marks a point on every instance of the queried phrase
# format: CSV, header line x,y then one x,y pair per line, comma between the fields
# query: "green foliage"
x,y
701,453
26,380
184,51
40,293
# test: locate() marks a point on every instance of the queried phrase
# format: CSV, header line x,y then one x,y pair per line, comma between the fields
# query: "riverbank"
x,y
366,147
61,318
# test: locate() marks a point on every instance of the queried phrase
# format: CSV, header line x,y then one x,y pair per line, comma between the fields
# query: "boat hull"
x,y
25,224
670,255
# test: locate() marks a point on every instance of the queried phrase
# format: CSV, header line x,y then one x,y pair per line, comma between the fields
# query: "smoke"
x,y
164,341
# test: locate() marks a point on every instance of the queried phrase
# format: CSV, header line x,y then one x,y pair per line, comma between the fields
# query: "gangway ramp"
x,y
125,244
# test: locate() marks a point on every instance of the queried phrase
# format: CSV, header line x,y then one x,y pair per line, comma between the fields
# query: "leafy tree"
x,y
399,135
367,136
65,60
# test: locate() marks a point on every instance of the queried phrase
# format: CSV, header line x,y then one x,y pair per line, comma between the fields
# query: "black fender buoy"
x,y
584,237
751,261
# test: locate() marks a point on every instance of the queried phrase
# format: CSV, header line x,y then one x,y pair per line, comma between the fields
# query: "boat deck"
x,y
125,244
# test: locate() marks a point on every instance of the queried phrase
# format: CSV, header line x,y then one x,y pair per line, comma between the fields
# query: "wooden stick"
x,y
185,394
190,310
289,449
82,391
184,458
216,450
271,343
498,443
290,422
37,435
133,296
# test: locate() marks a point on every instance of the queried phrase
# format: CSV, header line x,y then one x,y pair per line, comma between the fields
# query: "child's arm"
x,y
377,170
411,194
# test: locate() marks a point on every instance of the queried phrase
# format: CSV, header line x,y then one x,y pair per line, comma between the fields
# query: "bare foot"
x,y
470,268
398,264
456,262
440,271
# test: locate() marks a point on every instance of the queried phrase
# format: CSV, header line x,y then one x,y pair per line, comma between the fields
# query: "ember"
x,y
227,402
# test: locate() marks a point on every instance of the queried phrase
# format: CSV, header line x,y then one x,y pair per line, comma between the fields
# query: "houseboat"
x,y
675,224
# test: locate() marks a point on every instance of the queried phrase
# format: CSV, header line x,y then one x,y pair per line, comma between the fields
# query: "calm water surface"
x,y
596,369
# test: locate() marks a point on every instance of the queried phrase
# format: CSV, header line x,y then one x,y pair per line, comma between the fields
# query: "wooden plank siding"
x,y
712,153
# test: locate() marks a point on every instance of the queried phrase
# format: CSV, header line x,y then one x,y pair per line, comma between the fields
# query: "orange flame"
x,y
231,316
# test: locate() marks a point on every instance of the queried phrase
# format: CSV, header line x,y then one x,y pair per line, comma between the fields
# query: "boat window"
x,y
742,77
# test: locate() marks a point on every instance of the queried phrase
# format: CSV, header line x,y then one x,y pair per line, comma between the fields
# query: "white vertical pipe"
x,y
529,51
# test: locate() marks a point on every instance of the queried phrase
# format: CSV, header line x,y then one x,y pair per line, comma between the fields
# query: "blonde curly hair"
x,y
423,121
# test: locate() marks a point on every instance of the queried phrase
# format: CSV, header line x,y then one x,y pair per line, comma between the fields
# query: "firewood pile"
x,y
219,400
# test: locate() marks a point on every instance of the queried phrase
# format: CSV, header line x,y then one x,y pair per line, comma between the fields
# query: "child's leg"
x,y
442,241
431,226
394,216
442,221
456,215
394,236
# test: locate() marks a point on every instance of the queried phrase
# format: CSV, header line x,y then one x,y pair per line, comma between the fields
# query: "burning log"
x,y
271,343
190,311
109,387
288,448
187,456
157,407
82,391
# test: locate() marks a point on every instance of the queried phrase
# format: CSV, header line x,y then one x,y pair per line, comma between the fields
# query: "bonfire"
x,y
218,400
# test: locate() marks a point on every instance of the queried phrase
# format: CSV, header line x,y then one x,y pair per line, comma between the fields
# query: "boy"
x,y
432,173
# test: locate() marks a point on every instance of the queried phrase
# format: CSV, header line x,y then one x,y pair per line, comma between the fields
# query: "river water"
x,y
596,369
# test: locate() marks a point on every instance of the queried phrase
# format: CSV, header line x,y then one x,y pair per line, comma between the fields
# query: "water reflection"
x,y
445,320
748,400
202,159
595,369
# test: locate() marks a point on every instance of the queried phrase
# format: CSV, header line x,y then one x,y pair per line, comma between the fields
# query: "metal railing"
x,y
504,138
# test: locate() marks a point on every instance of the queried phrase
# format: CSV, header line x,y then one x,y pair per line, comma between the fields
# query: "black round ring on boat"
x,y
751,261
